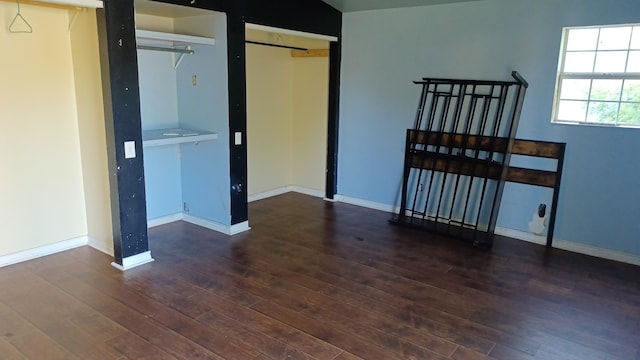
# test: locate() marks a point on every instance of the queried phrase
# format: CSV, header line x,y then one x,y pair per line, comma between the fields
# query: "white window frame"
x,y
561,75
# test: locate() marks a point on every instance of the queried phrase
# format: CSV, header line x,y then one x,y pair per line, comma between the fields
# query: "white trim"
x,y
521,235
306,191
43,251
211,225
100,246
164,220
93,4
290,32
238,228
133,261
216,226
571,246
267,194
284,190
368,204
596,251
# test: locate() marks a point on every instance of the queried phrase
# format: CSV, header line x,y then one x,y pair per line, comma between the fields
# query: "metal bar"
x,y
167,49
275,45
554,201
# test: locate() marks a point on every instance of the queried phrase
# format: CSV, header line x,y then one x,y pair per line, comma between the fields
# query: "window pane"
x,y
615,38
572,110
602,112
611,61
631,90
606,90
635,38
629,114
575,89
582,39
633,65
579,61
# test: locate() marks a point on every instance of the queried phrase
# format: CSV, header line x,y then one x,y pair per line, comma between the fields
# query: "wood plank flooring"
x,y
320,280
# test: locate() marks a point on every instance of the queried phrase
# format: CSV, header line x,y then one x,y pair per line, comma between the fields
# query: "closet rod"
x,y
160,48
275,45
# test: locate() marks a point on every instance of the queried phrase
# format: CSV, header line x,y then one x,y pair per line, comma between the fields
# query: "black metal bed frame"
x,y
457,156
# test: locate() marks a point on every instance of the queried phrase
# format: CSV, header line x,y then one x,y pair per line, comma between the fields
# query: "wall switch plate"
x,y
238,138
129,149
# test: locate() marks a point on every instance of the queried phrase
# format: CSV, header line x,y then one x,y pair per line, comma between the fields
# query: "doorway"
x,y
287,111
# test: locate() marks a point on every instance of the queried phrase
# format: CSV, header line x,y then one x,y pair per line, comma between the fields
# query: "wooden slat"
x,y
531,176
538,148
475,142
310,53
455,164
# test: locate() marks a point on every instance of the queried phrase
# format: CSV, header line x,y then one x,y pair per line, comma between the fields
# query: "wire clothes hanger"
x,y
15,28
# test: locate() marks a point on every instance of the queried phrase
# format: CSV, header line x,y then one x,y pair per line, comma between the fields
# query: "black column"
x,y
333,121
116,31
236,53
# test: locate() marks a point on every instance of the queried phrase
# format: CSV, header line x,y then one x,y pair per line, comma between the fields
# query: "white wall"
x,y
41,186
385,50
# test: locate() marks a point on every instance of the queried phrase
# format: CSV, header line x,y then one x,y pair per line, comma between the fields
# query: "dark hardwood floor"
x,y
317,280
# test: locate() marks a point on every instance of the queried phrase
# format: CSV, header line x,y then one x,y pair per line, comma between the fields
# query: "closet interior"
x,y
182,70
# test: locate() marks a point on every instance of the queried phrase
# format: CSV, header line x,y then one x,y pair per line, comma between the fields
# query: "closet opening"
x,y
182,71
287,86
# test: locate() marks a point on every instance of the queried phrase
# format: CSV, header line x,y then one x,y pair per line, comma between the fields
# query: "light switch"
x,y
129,149
238,140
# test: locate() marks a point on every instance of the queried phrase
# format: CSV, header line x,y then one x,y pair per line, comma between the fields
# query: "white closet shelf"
x,y
94,4
174,38
175,136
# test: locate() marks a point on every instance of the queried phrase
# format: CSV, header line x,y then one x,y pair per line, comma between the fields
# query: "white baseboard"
x,y
134,261
211,225
517,234
30,254
164,220
521,235
100,246
284,190
238,228
368,204
597,251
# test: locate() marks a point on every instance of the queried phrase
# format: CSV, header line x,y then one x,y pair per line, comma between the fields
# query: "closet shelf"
x,y
176,39
175,136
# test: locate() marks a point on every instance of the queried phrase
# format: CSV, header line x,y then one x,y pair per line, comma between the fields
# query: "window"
x,y
599,76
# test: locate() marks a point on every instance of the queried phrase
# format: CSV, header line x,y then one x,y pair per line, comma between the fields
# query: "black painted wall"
x,y
122,100
116,29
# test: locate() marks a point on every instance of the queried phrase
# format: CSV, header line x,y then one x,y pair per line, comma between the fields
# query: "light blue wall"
x,y
159,110
195,173
205,167
385,50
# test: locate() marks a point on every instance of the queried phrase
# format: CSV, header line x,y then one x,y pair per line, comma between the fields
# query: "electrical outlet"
x,y
194,80
185,207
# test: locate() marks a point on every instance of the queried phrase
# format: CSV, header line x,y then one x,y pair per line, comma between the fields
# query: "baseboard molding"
x,y
368,204
284,190
239,228
100,246
517,234
41,251
521,235
597,251
215,226
164,220
133,261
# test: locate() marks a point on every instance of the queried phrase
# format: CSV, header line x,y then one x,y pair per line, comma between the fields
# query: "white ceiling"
x,y
359,5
